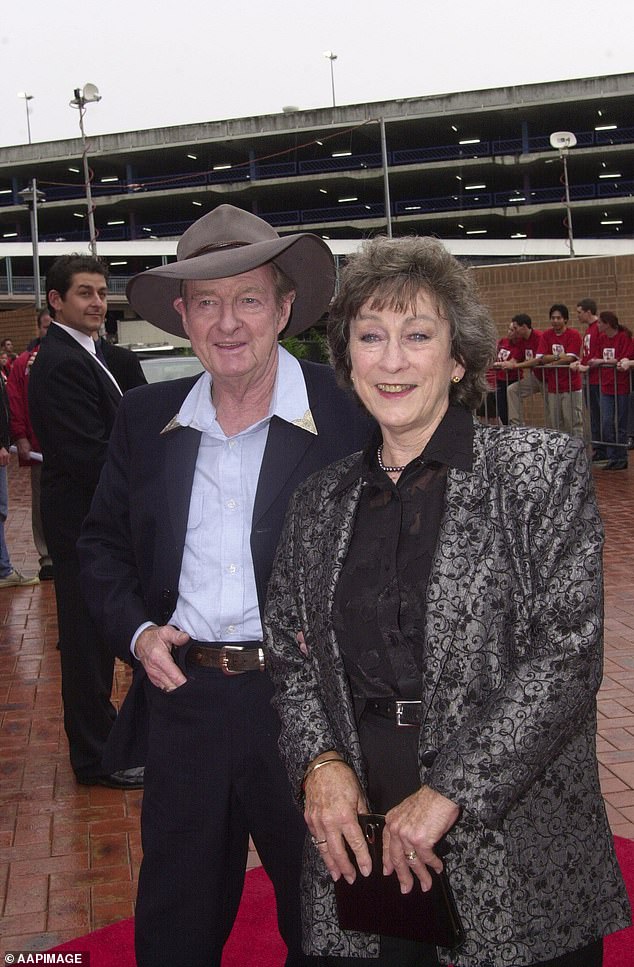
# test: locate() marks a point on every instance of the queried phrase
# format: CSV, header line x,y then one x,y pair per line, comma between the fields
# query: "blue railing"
x,y
283,169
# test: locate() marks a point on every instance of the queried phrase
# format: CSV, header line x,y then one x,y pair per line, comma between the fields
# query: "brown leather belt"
x,y
230,659
402,712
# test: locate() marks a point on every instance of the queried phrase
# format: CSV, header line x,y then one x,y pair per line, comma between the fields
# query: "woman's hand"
x,y
416,825
333,800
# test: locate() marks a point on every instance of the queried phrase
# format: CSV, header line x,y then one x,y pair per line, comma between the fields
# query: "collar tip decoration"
x,y
306,422
172,425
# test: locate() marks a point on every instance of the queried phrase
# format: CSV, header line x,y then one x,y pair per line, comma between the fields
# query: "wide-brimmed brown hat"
x,y
226,242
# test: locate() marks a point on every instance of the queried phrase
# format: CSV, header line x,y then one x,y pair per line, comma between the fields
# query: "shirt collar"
x,y
451,444
289,401
86,341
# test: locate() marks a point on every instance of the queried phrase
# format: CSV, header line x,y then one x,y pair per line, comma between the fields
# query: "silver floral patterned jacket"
x,y
513,662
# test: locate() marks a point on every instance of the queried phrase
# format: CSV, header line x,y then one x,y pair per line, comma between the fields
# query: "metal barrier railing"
x,y
598,411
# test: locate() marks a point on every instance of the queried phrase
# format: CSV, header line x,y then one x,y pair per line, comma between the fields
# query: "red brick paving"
x,y
69,855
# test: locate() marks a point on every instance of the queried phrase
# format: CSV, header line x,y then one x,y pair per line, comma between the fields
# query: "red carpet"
x,y
255,942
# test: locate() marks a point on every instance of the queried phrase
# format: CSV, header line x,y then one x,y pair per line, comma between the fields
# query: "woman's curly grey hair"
x,y
391,273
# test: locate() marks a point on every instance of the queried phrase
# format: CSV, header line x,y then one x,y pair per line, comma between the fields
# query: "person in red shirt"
x,y
508,350
25,440
522,362
559,347
587,316
614,343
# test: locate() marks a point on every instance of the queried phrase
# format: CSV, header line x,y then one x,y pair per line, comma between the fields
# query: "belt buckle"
x,y
225,653
400,711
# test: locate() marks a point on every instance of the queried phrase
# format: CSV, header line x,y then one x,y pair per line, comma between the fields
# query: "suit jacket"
x,y
72,404
512,664
124,365
132,542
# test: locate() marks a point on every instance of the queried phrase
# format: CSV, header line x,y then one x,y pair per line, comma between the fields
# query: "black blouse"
x,y
379,608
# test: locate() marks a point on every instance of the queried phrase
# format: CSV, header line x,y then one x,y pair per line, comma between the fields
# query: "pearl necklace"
x,y
379,456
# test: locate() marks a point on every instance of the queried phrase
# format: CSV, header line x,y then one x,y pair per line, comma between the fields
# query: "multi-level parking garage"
x,y
466,166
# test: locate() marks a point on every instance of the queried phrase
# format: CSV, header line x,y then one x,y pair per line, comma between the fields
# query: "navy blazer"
x,y
131,545
72,405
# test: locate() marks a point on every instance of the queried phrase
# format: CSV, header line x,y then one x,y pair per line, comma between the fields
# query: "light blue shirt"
x,y
217,593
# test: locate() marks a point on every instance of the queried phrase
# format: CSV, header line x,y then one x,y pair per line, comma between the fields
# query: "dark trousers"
x,y
213,776
594,403
87,671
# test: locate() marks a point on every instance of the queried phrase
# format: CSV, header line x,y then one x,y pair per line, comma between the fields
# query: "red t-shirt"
x,y
589,351
568,342
508,350
530,348
613,347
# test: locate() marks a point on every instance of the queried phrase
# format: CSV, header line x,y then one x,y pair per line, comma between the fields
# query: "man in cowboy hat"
x,y
176,556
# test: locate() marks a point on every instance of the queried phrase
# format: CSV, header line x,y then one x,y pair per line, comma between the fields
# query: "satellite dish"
x,y
91,93
562,139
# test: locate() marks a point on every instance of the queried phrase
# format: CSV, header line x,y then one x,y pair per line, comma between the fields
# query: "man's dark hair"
x,y
587,305
522,319
559,307
60,275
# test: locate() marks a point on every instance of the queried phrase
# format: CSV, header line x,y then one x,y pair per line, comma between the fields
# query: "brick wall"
x,y
533,287
20,325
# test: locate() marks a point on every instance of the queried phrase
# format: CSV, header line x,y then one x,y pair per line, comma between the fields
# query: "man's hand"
x,y
154,651
4,457
23,447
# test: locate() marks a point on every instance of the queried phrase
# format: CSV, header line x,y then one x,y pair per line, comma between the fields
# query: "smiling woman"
x,y
450,649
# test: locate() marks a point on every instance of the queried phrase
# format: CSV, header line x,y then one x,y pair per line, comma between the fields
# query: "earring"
x,y
456,379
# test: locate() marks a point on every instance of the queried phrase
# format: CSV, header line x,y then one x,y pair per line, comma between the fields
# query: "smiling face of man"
x,y
83,307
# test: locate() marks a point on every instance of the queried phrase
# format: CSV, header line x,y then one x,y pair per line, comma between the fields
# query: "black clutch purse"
x,y
375,904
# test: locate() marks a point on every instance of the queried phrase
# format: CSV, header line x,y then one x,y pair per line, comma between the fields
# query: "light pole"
x,y
31,197
563,141
27,98
87,95
328,54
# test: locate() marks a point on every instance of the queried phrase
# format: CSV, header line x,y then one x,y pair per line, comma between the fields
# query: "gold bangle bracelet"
x,y
318,765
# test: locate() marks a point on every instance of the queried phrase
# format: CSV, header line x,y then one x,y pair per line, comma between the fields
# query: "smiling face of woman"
x,y
402,368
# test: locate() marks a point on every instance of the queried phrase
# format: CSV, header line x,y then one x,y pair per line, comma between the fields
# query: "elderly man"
x,y
176,556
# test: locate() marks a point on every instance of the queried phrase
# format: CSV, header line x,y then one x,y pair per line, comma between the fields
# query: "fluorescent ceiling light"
x,y
350,198
198,204
221,167
612,221
473,187
5,191
78,214
470,141
119,221
341,154
124,262
614,174
10,235
518,235
74,170
412,208
477,231
517,198
605,127
323,191
194,157
110,178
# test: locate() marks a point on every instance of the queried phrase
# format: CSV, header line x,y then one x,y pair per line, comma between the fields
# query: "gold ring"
x,y
411,856
318,842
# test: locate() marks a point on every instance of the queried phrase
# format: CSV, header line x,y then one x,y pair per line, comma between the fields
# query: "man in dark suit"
x,y
176,554
73,399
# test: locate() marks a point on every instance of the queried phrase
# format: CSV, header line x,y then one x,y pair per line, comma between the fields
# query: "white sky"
x,y
158,63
